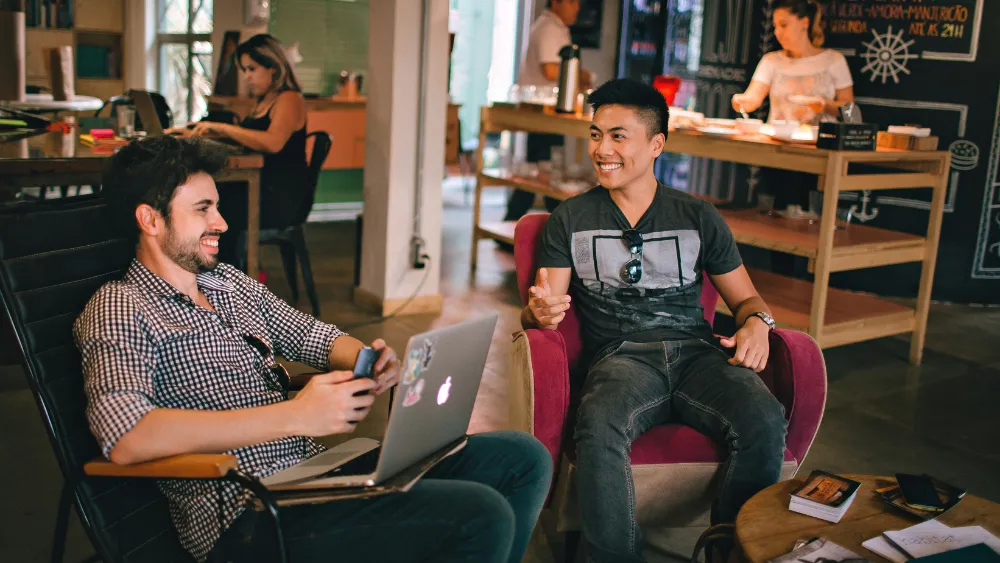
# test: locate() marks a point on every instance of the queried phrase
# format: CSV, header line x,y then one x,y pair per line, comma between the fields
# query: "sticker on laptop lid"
x,y
414,365
428,354
413,394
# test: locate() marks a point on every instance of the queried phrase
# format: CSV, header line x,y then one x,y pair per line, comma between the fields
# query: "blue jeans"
x,y
479,505
638,386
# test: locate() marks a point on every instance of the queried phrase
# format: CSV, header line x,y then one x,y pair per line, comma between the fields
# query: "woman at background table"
x,y
801,68
276,126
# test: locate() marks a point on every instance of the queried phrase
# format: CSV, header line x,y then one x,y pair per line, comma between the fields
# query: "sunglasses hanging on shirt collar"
x,y
277,376
631,271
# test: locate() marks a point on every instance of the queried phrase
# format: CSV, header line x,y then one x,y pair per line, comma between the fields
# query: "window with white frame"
x,y
184,56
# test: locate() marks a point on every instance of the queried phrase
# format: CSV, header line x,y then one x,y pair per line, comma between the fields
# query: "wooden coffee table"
x,y
765,528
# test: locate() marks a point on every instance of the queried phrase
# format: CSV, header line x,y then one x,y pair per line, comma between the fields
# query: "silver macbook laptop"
x,y
441,372
146,110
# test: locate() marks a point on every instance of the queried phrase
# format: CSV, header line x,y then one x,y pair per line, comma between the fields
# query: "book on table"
x,y
824,495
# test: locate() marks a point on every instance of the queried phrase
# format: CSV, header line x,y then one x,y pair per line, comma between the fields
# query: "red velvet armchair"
x,y
674,467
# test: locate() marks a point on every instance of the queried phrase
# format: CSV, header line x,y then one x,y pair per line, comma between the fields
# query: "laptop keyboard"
x,y
364,464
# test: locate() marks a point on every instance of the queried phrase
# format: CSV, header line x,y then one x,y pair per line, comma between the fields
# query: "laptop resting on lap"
x,y
441,372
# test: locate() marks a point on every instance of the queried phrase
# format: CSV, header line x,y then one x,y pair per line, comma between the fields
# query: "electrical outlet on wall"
x,y
417,257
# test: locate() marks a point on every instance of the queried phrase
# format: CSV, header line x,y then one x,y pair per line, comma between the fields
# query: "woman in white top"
x,y
801,68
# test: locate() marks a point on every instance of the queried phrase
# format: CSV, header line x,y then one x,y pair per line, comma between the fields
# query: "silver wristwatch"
x,y
764,317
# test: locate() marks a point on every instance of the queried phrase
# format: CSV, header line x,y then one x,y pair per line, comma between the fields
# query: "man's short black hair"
x,y
643,98
149,171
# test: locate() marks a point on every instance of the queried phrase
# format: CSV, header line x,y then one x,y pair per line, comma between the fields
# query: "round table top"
x,y
44,102
765,528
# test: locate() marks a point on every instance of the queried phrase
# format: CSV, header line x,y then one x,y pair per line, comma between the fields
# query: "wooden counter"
x,y
344,120
833,317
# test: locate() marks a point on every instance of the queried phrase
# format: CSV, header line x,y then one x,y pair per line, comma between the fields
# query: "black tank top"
x,y
284,178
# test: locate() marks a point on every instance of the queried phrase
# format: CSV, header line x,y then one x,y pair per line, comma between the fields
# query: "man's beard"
x,y
188,254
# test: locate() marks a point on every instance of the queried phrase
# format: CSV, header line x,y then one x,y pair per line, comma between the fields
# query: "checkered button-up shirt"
x,y
145,345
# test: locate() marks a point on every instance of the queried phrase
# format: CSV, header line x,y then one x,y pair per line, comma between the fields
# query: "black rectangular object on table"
x,y
847,136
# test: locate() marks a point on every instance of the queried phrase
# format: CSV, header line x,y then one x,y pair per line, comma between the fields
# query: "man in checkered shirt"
x,y
179,357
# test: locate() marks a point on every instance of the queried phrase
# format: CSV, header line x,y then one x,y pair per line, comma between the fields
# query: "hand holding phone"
x,y
364,366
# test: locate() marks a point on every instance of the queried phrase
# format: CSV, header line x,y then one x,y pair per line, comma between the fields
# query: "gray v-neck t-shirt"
x,y
683,238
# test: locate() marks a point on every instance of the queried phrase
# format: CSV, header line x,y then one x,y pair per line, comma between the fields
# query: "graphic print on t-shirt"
x,y
668,260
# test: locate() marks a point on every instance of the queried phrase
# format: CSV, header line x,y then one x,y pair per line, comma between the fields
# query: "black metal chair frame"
x,y
291,239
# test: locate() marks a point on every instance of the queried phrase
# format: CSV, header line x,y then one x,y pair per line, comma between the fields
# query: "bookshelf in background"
x,y
48,14
96,31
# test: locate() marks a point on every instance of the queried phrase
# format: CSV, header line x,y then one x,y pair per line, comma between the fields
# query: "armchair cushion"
x,y
539,399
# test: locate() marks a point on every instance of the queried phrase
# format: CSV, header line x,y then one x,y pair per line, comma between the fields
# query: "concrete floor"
x,y
883,415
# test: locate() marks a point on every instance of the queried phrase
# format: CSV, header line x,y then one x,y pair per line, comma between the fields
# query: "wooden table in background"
x,y
765,528
832,316
55,159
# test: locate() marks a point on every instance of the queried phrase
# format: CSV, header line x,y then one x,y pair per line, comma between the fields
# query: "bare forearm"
x,y
344,352
748,307
167,432
265,141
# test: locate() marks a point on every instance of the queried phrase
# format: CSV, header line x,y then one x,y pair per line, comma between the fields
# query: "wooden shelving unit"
x,y
94,28
854,247
849,316
832,316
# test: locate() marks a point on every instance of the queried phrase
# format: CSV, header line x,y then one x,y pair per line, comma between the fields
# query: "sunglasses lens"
x,y
278,375
633,241
281,375
257,344
632,271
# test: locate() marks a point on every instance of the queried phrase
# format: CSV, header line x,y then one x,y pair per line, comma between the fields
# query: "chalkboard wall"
x,y
927,62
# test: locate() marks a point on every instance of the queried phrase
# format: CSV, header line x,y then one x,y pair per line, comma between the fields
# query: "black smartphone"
x,y
365,364
918,491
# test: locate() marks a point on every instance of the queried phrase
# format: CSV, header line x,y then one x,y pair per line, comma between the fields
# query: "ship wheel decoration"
x,y
886,56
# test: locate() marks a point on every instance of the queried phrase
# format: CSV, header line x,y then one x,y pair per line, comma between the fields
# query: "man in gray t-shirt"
x,y
682,237
630,256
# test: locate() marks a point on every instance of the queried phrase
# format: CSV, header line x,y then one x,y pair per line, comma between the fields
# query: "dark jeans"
x,y
539,148
479,505
639,386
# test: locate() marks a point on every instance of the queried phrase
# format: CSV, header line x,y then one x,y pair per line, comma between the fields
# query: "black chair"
x,y
47,275
159,102
292,240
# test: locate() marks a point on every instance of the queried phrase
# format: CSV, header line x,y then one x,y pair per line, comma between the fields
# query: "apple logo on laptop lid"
x,y
443,391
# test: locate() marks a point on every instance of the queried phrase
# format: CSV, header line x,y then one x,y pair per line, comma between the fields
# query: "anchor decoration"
x,y
864,214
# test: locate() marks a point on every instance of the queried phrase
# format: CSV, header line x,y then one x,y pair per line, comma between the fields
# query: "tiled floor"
x,y
882,416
